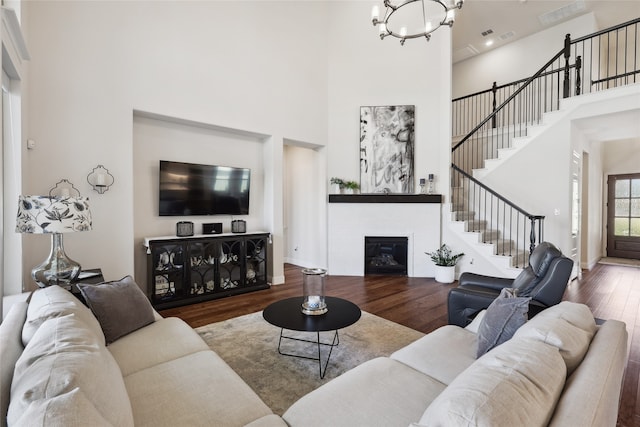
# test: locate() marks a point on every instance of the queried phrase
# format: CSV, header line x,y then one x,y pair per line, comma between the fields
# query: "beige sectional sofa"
x,y
559,369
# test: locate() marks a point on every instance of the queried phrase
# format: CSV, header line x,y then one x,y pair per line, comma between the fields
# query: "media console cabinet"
x,y
185,270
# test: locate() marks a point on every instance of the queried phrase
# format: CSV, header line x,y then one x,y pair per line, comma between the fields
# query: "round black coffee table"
x,y
287,314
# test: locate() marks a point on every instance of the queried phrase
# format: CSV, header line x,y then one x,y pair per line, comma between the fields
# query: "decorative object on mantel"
x,y
100,179
445,262
54,215
431,189
386,149
423,183
64,188
351,187
337,184
410,19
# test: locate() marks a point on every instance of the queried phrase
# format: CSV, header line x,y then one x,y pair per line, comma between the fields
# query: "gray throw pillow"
x,y
120,306
503,318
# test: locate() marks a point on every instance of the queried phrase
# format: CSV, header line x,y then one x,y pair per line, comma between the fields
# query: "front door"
x,y
623,216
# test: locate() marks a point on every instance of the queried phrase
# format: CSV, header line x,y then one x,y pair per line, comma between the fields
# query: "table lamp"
x,y
54,215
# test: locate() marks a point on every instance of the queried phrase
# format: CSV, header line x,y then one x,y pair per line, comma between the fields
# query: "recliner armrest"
x,y
464,304
495,283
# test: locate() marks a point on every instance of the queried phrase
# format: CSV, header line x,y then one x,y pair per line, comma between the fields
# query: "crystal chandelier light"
x,y
411,19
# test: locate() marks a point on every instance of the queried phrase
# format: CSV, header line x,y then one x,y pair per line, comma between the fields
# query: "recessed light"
x,y
488,42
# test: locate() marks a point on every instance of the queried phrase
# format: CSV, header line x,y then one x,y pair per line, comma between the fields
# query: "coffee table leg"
x,y
334,343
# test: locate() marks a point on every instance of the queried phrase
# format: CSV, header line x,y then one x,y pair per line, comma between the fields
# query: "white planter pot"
x,y
335,189
445,274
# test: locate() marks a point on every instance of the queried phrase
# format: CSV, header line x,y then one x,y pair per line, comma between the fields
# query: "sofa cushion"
x,y
141,349
120,306
54,301
502,319
10,350
203,380
456,351
515,384
567,326
68,409
64,355
379,392
591,395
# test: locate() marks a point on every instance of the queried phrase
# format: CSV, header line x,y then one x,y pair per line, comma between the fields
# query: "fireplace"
x,y
385,255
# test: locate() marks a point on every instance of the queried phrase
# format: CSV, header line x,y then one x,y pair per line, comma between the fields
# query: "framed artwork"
x,y
387,141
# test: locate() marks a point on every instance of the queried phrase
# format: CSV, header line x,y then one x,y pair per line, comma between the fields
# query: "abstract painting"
x,y
387,137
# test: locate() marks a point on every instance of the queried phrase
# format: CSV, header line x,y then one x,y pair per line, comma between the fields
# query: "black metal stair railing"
x,y
499,221
490,119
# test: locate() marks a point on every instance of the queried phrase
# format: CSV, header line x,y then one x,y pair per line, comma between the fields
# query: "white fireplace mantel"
x,y
351,218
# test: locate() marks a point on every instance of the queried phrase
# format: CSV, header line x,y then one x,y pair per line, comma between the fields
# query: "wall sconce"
x,y
64,188
100,179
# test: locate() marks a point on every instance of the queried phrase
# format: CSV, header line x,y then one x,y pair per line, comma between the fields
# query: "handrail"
x,y
513,83
604,59
492,192
499,220
509,99
606,30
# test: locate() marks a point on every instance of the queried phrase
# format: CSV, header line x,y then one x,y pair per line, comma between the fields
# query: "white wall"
x,y
365,71
582,121
619,157
155,140
255,66
517,60
304,211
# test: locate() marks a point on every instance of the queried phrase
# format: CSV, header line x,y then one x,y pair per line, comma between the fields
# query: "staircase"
x,y
493,125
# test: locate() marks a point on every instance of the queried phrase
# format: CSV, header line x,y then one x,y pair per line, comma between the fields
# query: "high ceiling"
x,y
510,20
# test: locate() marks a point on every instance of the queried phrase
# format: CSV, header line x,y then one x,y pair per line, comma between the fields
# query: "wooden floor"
x,y
612,292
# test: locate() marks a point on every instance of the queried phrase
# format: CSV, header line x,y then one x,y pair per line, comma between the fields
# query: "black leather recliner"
x,y
544,280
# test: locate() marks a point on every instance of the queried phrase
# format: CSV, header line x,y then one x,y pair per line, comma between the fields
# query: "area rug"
x,y
620,261
250,346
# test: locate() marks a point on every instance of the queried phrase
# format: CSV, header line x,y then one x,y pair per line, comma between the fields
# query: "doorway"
x,y
623,216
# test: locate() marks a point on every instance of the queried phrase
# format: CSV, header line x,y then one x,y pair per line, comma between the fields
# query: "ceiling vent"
x,y
507,36
487,32
562,13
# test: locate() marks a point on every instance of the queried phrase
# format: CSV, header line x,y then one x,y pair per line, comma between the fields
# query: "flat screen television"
x,y
191,189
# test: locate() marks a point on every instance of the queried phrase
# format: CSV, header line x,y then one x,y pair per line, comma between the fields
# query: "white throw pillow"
x,y
65,355
568,326
51,302
516,384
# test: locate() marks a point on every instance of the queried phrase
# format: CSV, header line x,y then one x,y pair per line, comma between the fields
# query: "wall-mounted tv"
x,y
191,189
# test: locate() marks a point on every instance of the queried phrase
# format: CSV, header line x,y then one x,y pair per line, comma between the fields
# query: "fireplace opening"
x,y
385,255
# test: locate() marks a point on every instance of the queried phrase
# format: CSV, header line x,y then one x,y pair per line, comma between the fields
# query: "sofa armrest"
x,y
478,280
464,304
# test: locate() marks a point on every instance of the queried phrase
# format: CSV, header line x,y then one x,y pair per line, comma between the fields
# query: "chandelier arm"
x,y
391,8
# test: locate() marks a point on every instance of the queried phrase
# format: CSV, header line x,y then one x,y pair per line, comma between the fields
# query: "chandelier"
x,y
410,19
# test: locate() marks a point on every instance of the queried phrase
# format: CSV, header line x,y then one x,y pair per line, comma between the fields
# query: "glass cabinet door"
x,y
230,263
256,267
168,271
203,257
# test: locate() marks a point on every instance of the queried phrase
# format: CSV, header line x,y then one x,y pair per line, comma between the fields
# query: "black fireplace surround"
x,y
385,255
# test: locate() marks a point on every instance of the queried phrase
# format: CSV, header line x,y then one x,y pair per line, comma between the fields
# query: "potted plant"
x,y
351,187
445,261
337,184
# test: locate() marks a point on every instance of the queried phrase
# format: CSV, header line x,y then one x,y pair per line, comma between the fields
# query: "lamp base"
x,y
58,268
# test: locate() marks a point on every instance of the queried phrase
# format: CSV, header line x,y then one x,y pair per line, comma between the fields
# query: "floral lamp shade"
x,y
44,214
54,216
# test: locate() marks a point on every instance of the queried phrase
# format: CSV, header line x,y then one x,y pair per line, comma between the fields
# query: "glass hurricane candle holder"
x,y
313,291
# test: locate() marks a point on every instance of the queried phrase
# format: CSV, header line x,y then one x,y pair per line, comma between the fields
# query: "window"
x,y
627,208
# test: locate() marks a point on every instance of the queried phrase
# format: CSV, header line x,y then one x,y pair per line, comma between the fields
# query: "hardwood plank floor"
x,y
611,292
